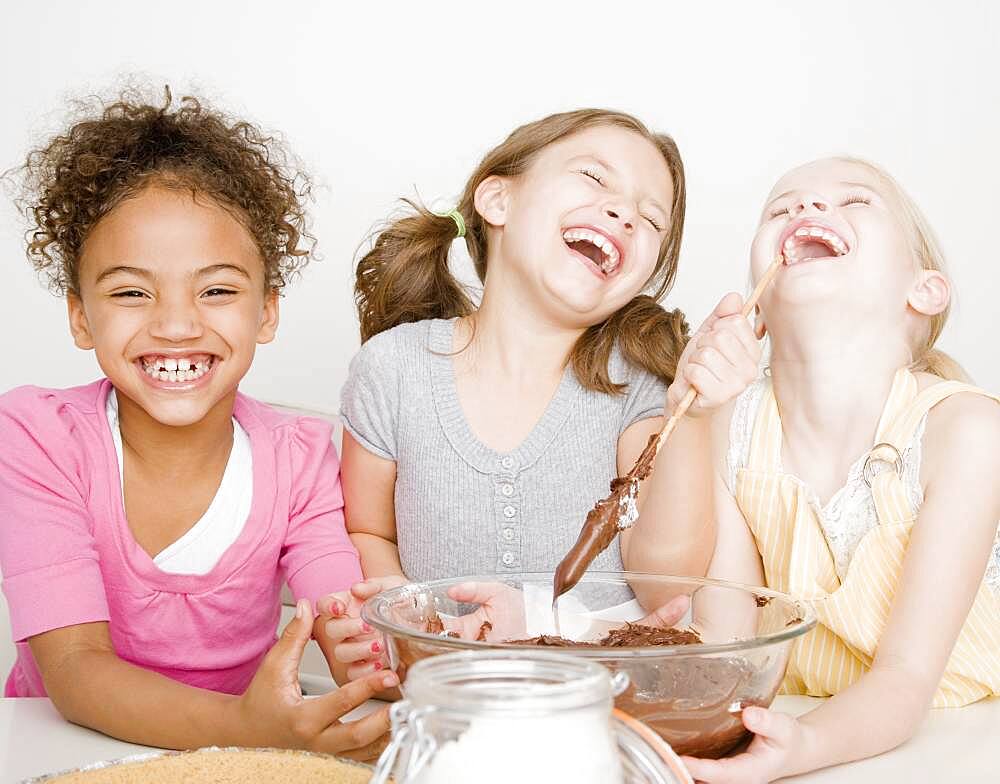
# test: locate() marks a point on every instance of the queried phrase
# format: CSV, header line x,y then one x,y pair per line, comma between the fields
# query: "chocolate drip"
x,y
484,631
436,626
602,524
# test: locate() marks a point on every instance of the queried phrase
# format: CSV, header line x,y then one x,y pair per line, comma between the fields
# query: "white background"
x,y
384,99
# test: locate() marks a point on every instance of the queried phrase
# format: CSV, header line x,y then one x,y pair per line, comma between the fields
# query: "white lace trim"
x,y
850,512
741,429
993,566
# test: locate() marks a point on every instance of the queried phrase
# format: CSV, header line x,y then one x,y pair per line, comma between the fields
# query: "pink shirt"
x,y
68,557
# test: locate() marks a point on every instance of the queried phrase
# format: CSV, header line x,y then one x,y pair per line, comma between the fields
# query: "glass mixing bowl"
x,y
692,695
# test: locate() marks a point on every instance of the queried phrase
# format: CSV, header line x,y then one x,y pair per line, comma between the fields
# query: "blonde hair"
x,y
927,253
405,276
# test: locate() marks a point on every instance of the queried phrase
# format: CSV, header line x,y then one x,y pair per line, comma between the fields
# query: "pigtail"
x,y
649,338
405,276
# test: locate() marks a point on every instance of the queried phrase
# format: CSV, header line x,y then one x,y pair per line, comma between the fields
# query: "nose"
x,y
175,321
809,201
622,216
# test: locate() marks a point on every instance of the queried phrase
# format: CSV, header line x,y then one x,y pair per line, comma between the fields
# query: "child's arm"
x,y
369,483
942,571
675,533
719,615
91,686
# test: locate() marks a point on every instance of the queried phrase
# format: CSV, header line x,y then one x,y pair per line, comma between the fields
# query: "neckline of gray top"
x,y
456,427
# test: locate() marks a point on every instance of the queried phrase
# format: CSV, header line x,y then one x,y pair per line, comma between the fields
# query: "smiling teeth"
x,y
175,370
606,246
809,233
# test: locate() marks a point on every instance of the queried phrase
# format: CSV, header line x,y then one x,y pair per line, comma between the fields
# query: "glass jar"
x,y
514,716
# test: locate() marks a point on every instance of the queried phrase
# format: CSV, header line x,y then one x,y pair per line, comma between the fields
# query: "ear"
x,y
492,199
79,327
759,326
930,294
269,318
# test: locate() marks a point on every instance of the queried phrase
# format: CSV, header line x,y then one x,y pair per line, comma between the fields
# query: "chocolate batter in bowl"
x,y
696,654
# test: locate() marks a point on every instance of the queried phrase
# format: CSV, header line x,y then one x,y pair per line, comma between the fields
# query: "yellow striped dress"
x,y
852,604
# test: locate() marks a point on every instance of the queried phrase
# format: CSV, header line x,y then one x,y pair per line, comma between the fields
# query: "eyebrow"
x,y
222,268
125,270
148,275
613,170
842,182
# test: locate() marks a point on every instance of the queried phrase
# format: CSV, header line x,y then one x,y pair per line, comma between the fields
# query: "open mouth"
x,y
811,241
595,246
178,370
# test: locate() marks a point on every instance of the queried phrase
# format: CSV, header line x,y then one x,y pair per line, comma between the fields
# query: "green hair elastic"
x,y
456,216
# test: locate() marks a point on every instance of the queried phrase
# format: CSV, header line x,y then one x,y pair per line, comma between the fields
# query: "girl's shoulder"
x,y
966,421
42,410
969,406
404,353
963,427
305,429
52,430
399,348
634,377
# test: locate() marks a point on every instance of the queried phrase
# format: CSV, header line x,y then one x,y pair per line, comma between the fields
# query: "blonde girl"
x,y
861,477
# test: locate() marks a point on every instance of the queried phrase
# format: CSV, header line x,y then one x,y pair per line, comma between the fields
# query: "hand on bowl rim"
x,y
778,737
355,642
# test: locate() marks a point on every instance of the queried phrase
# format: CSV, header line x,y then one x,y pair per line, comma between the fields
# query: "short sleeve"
x,y
645,397
369,401
48,557
317,557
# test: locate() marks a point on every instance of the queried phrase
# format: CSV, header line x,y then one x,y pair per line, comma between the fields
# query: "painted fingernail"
x,y
337,608
365,627
389,680
377,666
376,648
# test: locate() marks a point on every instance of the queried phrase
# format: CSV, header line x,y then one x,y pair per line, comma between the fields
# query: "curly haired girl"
x,y
147,520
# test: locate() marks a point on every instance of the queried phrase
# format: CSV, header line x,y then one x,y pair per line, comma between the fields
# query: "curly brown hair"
x,y
117,149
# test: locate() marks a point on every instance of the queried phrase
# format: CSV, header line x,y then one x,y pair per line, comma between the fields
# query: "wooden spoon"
x,y
619,510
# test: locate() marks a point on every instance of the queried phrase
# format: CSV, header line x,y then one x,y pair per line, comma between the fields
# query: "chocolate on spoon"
x,y
619,510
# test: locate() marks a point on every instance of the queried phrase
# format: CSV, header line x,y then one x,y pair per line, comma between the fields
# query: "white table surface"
x,y
958,745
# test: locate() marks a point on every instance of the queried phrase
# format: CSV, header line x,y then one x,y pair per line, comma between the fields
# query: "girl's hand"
x,y
354,642
500,605
778,737
719,361
503,607
273,712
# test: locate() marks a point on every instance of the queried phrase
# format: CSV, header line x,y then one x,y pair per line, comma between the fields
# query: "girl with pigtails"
x,y
476,438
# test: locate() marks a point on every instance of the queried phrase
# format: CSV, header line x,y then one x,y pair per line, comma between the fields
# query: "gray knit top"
x,y
461,507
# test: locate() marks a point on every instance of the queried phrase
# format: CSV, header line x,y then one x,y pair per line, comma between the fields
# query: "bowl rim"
x,y
806,617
